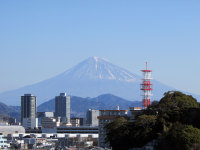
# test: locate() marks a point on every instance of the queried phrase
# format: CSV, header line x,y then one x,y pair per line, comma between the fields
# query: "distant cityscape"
x,y
58,130
99,129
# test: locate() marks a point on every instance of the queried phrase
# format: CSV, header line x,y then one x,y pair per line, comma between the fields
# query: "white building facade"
x,y
3,142
91,117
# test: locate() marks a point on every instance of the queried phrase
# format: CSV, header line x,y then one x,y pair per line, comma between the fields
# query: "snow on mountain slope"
x,y
98,69
92,77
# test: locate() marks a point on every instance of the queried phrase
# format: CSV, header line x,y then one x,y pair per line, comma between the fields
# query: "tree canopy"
x,y
180,137
176,99
174,122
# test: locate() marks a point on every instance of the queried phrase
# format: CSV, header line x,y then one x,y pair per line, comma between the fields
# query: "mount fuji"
x,y
90,78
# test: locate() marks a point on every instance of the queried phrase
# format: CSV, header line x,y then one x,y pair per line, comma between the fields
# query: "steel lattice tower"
x,y
146,87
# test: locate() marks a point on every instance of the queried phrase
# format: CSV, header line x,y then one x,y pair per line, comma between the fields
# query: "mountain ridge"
x,y
80,105
90,78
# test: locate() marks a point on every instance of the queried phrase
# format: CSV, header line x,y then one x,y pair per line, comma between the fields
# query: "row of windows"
x,y
104,120
77,129
113,113
3,141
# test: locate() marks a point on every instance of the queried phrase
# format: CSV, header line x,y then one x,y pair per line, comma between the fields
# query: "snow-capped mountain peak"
x,y
92,77
99,69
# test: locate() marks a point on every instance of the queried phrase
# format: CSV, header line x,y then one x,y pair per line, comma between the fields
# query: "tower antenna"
x,y
146,88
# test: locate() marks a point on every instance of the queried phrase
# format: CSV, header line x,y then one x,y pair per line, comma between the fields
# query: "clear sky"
x,y
42,38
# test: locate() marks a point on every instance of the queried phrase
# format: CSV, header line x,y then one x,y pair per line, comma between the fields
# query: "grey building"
x,y
28,111
45,114
91,117
62,107
41,115
105,117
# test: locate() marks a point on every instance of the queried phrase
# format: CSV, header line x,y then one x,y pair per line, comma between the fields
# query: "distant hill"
x,y
12,111
92,77
80,105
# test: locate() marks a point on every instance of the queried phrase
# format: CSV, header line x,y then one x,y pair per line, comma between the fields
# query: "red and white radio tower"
x,y
146,87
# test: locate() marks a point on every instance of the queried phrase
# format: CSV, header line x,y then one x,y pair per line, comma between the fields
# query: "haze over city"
x,y
40,39
100,75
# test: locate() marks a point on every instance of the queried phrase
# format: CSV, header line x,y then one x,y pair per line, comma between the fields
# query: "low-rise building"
x,y
75,122
78,130
52,140
49,122
7,129
134,111
3,142
91,117
41,115
45,114
107,116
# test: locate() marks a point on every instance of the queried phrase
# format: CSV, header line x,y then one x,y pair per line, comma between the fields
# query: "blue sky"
x,y
40,39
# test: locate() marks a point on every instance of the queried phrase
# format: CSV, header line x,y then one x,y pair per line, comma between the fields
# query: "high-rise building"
x,y
62,107
91,116
28,111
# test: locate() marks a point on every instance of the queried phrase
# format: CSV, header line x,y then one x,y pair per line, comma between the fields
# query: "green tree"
x,y
118,134
123,134
173,107
191,116
146,121
173,121
180,137
177,100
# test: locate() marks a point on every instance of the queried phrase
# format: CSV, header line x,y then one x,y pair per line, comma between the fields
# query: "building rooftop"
x,y
115,110
11,129
28,95
135,108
